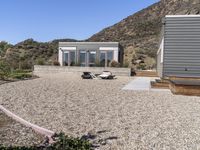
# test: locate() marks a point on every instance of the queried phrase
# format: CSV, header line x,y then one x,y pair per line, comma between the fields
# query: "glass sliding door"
x,y
92,58
105,58
66,59
82,58
69,58
109,57
102,59
72,58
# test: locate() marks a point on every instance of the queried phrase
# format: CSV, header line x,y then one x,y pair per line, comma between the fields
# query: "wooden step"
x,y
159,85
146,73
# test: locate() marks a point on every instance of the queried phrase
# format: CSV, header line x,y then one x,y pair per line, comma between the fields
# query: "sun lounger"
x,y
88,75
106,75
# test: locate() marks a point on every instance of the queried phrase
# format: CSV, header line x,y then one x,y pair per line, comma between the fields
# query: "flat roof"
x,y
88,42
182,16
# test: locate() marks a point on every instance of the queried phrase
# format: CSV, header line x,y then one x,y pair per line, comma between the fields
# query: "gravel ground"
x,y
123,120
15,134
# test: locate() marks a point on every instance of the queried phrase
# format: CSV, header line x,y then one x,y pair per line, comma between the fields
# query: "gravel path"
x,y
15,134
123,120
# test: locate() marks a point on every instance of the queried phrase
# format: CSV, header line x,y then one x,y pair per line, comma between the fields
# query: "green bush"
x,y
114,63
62,142
4,70
22,71
20,75
56,63
141,66
126,65
40,61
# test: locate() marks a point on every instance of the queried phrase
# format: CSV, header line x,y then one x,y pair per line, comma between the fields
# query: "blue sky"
x,y
45,20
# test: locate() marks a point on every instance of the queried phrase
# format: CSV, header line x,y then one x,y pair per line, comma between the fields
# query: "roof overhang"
x,y
173,16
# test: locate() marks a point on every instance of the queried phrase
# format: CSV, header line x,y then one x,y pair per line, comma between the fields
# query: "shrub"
x,y
40,61
4,70
56,63
22,71
62,142
114,63
68,143
20,75
141,66
25,65
126,65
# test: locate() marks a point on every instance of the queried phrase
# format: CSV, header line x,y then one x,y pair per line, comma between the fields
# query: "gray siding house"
x,y
89,54
179,51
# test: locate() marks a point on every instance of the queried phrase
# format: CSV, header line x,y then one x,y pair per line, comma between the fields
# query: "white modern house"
x,y
179,51
89,54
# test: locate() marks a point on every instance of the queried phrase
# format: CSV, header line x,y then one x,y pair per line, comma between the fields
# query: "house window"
x,y
109,57
92,58
102,59
82,58
66,59
72,58
105,58
69,58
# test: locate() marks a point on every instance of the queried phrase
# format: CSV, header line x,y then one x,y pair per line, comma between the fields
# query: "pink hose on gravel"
x,y
36,128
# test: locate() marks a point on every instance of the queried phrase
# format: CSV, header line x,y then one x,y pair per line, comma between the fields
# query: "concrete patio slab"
x,y
142,84
139,83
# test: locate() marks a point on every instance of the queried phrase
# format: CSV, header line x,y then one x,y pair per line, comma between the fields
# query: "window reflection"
x,y
72,58
109,57
66,59
92,58
102,59
88,58
83,58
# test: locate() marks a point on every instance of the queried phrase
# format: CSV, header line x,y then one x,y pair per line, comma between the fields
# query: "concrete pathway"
x,y
141,84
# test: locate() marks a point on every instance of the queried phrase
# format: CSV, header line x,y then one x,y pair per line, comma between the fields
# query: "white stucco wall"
x,y
60,57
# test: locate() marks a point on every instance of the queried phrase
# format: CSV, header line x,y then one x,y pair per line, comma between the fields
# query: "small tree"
x,y
40,61
3,48
4,70
56,63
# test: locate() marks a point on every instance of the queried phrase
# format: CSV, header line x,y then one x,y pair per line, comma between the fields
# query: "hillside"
x,y
24,54
139,33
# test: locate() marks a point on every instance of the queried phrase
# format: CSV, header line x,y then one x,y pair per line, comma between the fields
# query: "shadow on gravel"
x,y
17,80
97,140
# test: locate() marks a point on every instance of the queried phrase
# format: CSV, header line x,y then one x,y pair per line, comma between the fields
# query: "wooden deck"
x,y
160,84
189,87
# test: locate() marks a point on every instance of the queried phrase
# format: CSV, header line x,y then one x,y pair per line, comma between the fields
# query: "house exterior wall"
x,y
159,60
181,46
159,64
89,46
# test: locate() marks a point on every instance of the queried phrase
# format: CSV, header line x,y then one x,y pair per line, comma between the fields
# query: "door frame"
x,y
69,56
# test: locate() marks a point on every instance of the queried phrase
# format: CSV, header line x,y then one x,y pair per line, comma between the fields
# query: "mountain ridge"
x,y
139,34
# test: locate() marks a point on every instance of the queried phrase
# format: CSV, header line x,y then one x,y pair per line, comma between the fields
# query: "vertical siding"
x,y
182,46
